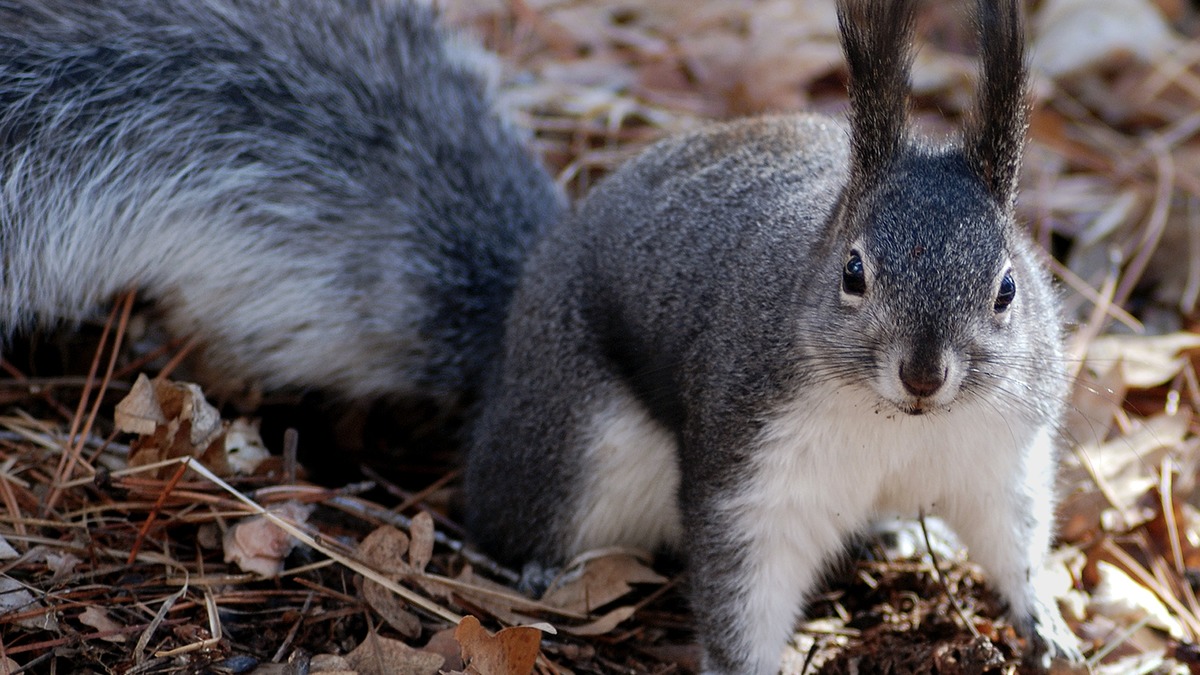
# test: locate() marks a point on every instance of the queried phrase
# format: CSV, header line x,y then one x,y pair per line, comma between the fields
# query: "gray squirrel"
x,y
743,345
752,340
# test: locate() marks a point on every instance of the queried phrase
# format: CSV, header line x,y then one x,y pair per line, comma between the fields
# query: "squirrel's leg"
x,y
1006,520
755,553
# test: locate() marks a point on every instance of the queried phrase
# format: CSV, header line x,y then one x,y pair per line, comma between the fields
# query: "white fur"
x,y
630,497
828,464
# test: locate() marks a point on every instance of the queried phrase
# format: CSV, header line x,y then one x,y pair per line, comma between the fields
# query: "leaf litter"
x,y
117,520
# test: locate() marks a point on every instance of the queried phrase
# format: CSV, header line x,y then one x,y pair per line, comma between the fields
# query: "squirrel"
x,y
752,340
743,345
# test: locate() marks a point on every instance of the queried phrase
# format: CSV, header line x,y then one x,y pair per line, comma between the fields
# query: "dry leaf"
x,y
383,549
62,564
1118,597
512,651
1095,401
600,581
1082,35
139,412
172,419
393,609
100,620
331,664
444,644
1146,360
7,552
498,600
244,446
258,545
14,597
602,625
384,656
1152,663
420,549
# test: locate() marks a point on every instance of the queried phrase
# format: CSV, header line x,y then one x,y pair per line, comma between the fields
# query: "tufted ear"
x,y
995,136
877,39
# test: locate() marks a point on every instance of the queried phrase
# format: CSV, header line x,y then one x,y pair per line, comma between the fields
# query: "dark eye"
x,y
1008,290
854,276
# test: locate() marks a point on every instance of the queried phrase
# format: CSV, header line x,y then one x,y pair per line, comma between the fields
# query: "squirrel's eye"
x,y
1008,291
854,276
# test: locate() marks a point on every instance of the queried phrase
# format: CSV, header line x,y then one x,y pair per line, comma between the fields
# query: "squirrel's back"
x,y
321,191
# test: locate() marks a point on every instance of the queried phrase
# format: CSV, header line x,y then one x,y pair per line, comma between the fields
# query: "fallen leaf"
x,y
14,597
258,545
498,600
420,550
244,448
600,581
393,609
1126,464
1082,35
384,656
62,564
1145,360
602,625
330,663
384,550
1095,402
444,644
1126,601
512,651
172,419
139,412
100,620
7,552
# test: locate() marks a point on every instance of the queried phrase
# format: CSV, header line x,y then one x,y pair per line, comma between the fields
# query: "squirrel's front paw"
x,y
1049,636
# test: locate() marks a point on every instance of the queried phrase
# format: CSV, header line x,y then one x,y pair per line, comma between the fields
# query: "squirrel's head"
x,y
936,285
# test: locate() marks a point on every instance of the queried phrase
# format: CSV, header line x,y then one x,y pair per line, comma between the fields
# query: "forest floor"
x,y
117,557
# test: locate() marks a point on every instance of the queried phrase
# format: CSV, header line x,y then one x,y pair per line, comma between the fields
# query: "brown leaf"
x,y
383,656
258,545
1145,360
444,644
100,620
602,625
512,651
602,580
420,550
393,610
139,412
172,419
384,549
328,663
499,601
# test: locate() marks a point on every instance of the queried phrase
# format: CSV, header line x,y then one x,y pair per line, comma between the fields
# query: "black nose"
x,y
922,380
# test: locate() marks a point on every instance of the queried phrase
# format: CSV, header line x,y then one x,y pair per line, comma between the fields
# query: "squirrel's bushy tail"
x,y
321,191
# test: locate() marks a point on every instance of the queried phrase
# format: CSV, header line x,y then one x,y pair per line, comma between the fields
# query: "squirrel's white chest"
x,y
851,457
826,463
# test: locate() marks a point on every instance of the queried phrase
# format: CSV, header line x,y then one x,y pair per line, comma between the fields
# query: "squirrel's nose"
x,y
922,380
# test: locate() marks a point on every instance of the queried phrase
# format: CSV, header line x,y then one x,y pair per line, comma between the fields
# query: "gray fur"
x,y
701,284
320,190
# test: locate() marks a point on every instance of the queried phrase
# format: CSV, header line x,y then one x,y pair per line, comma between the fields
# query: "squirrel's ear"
x,y
995,137
877,39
